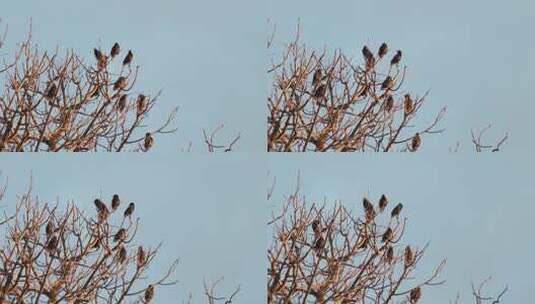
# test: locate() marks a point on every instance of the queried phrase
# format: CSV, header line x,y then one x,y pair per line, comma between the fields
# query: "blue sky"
x,y
475,57
474,210
208,57
208,211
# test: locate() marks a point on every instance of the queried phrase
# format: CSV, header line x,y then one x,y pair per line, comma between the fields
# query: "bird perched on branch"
x,y
120,235
141,256
397,58
368,55
141,104
409,256
320,91
383,49
148,142
316,227
316,78
149,293
415,295
122,102
51,91
115,202
397,210
416,142
128,212
121,255
387,83
128,58
115,50
387,235
120,83
383,201
368,209
408,104
52,244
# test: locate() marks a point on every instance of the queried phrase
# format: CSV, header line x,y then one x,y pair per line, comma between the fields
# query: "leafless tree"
x,y
61,254
333,254
333,102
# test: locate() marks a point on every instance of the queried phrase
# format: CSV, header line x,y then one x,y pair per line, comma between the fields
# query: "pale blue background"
x,y
475,210
207,56
474,56
208,211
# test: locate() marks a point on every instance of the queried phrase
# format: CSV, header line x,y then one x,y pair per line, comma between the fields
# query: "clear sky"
x,y
476,57
207,56
208,211
475,210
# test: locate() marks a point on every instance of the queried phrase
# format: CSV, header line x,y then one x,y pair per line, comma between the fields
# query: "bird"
x,y
149,293
408,104
397,210
409,256
387,83
141,103
129,210
148,142
317,77
98,54
99,205
52,244
319,92
115,202
120,83
383,49
397,58
415,295
368,55
383,201
49,229
390,254
368,208
141,256
51,91
316,226
122,102
416,142
128,58
387,235
121,255
319,243
120,235
115,49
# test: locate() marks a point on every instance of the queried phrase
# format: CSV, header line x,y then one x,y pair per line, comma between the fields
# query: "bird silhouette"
x,y
129,210
128,58
397,210
383,49
387,83
98,54
409,256
316,227
51,91
148,142
415,295
149,293
319,92
416,142
387,235
141,256
368,209
383,201
121,255
120,235
49,229
390,254
122,102
141,103
408,104
397,58
115,49
52,244
115,202
317,77
120,83
99,205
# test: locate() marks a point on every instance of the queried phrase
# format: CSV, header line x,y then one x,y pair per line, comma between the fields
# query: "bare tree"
x,y
333,102
53,102
60,254
332,254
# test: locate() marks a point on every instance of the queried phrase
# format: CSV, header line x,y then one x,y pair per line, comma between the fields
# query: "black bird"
x,y
120,83
387,84
99,204
408,104
368,207
129,210
390,254
397,210
383,201
317,77
148,142
115,49
51,91
98,54
49,229
141,103
128,58
319,92
416,142
316,226
388,235
141,256
368,55
115,202
389,103
319,243
383,49
397,58
409,256
120,235
122,102
52,244
415,295
149,293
